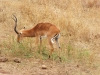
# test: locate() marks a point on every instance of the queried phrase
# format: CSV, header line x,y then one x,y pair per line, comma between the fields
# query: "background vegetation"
x,y
78,21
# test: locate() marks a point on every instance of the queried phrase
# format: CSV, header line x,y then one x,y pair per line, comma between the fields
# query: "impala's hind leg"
x,y
57,42
56,39
51,44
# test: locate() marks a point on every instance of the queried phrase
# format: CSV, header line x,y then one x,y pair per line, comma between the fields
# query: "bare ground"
x,y
43,67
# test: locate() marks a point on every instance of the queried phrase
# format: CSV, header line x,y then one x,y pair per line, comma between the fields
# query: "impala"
x,y
39,31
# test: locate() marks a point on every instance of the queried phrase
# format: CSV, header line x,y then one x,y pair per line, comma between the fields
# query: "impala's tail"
x,y
56,37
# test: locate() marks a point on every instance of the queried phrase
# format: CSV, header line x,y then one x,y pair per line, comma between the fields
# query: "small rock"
x,y
0,67
17,60
3,72
77,66
44,67
2,59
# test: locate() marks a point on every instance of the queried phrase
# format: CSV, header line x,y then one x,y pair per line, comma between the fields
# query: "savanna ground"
x,y
79,22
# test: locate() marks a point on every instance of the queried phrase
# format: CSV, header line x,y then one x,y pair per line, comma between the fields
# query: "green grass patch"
x,y
16,49
67,53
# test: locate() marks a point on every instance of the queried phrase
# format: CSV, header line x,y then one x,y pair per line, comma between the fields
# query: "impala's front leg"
x,y
40,41
40,46
37,40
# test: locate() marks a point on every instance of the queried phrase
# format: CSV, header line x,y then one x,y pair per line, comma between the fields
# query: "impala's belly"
x,y
44,36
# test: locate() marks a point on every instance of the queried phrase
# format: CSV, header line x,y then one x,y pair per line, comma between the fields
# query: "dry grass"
x,y
79,25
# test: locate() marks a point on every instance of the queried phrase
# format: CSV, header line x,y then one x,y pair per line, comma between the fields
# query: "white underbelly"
x,y
45,36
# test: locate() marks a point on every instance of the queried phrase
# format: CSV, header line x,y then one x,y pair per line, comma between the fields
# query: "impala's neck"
x,y
28,33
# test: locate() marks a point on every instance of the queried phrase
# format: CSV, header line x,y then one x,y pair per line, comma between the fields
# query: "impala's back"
x,y
48,29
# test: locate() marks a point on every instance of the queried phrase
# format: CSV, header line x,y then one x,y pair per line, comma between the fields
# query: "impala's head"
x,y
20,34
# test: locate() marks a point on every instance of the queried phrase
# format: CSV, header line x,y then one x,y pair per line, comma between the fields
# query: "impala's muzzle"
x,y
19,37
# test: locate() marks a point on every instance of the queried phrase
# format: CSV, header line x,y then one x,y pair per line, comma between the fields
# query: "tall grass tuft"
x,y
16,49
